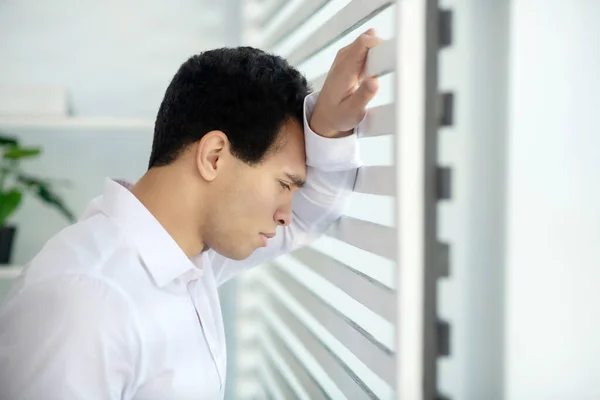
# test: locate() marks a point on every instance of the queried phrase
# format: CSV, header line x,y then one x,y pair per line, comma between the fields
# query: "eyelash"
x,y
285,186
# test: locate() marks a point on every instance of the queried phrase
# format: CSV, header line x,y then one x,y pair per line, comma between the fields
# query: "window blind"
x,y
353,315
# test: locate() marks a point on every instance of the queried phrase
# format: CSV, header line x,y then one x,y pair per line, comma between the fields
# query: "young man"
x,y
124,304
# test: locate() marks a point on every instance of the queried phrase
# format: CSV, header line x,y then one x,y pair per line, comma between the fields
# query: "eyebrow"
x,y
296,180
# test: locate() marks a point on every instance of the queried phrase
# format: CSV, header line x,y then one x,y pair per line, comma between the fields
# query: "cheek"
x,y
253,199
261,199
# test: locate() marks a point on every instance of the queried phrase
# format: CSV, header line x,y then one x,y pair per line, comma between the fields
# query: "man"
x,y
124,304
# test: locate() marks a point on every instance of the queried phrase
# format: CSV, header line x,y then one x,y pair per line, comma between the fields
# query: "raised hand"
x,y
342,103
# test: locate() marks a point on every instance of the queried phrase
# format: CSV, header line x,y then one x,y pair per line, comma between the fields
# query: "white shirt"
x,y
111,306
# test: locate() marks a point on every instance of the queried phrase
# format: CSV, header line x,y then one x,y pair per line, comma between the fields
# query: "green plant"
x,y
14,183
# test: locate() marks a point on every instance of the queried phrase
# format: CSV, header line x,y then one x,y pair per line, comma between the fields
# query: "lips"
x,y
265,238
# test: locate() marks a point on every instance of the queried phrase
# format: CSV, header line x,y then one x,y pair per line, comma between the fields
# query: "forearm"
x,y
332,165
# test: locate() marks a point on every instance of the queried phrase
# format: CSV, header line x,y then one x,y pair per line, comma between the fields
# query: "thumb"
x,y
357,102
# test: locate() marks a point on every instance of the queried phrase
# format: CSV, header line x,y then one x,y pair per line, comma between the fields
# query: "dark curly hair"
x,y
244,92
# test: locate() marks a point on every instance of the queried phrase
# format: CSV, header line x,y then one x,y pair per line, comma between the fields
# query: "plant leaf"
x,y
43,191
21,152
9,202
30,181
53,199
8,140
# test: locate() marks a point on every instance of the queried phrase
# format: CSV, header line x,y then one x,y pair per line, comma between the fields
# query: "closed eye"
x,y
285,185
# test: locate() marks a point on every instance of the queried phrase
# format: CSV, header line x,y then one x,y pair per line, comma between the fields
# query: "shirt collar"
x,y
162,256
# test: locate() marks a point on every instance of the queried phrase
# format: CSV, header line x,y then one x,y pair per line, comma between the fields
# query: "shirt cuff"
x,y
329,154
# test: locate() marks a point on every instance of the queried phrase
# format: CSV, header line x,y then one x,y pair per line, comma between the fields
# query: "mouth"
x,y
265,238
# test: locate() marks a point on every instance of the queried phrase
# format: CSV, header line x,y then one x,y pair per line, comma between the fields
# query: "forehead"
x,y
290,150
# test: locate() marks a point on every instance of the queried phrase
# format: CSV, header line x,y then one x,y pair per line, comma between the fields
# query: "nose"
x,y
283,216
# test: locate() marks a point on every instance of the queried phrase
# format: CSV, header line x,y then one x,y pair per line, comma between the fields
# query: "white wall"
x,y
84,158
524,221
553,214
115,57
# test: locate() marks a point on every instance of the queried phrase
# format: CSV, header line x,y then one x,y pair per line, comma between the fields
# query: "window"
x,y
353,315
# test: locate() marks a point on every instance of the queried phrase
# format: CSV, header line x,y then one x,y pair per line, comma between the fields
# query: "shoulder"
x,y
94,247
81,302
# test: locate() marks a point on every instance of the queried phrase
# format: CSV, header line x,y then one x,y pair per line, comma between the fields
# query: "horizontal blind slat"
x,y
379,121
348,18
310,360
287,365
373,208
380,61
249,386
374,325
365,235
365,290
371,362
370,264
268,10
276,386
378,180
286,26
377,150
348,382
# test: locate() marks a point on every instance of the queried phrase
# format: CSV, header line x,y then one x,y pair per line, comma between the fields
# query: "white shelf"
x,y
77,123
10,272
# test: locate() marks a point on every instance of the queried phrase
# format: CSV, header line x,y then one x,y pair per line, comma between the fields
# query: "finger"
x,y
361,45
357,102
366,41
360,49
366,35
351,59
370,33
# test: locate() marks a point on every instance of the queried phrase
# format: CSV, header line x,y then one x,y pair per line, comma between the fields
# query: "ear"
x,y
212,153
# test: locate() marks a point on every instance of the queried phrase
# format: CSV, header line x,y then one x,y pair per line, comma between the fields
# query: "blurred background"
x,y
82,81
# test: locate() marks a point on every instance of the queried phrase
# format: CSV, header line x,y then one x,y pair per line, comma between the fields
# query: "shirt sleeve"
x,y
332,165
68,338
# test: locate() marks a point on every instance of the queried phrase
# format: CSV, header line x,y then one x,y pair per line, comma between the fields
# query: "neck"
x,y
161,191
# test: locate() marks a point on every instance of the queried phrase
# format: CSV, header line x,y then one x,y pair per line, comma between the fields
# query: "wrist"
x,y
322,128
